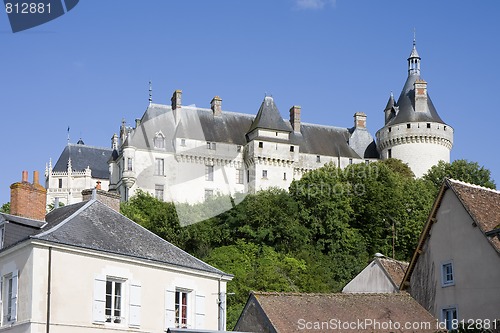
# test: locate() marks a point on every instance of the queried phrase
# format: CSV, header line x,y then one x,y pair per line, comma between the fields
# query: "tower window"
x,y
318,159
284,176
350,161
428,125
60,183
292,148
408,125
389,153
264,173
390,128
261,144
445,128
159,141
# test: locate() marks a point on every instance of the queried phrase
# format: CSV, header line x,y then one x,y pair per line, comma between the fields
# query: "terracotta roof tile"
x,y
395,268
289,312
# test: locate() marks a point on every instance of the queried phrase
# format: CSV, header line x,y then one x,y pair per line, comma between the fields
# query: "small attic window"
x,y
428,125
408,125
159,141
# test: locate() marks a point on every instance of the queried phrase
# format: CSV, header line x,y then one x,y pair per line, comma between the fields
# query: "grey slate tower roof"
x,y
269,117
405,105
83,156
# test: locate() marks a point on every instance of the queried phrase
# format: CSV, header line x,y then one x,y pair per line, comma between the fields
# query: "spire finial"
x,y
150,92
414,37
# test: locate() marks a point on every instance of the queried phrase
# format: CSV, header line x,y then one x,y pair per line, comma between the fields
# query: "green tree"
x,y
470,172
5,208
157,216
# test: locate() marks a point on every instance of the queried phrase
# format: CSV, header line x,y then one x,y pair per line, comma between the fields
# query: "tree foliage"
x,y
5,208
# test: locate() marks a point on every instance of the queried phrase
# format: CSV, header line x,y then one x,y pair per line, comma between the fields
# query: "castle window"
x,y
367,162
389,153
248,176
239,176
284,176
209,173
211,145
264,173
350,161
183,142
292,148
159,191
60,183
276,133
209,194
408,125
390,128
238,149
318,159
428,125
261,144
159,167
159,141
445,128
129,164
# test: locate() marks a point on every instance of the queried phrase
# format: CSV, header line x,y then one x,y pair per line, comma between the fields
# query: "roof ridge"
x,y
325,126
88,146
66,220
473,185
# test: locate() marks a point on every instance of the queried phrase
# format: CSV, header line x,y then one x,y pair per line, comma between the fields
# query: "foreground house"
x,y
295,312
382,275
86,268
455,270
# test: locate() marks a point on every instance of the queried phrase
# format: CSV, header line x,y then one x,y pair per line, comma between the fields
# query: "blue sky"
x,y
90,68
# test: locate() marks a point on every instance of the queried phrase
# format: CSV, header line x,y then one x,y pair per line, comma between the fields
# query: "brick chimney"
x,y
176,99
28,200
360,120
420,96
216,106
111,200
295,118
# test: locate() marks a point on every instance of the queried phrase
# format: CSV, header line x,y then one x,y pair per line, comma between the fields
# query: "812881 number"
x,y
27,8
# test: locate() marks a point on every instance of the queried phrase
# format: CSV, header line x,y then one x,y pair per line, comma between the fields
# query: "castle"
x,y
186,154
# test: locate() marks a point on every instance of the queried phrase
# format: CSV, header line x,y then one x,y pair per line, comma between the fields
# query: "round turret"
x,y
413,131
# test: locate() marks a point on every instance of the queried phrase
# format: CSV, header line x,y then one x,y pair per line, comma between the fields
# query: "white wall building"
x,y
87,268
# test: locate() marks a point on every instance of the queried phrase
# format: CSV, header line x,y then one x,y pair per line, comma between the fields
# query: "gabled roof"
x,y
395,269
285,312
18,228
93,225
269,117
481,203
83,156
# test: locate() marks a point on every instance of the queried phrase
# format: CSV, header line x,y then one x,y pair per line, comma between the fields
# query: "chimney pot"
x,y
360,120
28,200
176,99
35,178
25,176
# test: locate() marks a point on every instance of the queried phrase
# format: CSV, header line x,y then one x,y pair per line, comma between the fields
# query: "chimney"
x,y
420,96
360,120
176,99
295,118
114,142
111,200
216,106
28,200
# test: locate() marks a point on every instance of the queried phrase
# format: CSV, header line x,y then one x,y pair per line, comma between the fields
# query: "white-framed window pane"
x,y
113,307
447,274
129,164
159,166
8,314
239,176
448,315
181,309
209,173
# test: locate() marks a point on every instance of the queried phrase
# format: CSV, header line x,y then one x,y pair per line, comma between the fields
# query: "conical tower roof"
x,y
269,117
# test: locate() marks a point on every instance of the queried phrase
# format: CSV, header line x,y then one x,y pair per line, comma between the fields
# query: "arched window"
x,y
159,141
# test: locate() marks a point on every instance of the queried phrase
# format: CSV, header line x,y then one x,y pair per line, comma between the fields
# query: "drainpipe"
x,y
49,286
222,302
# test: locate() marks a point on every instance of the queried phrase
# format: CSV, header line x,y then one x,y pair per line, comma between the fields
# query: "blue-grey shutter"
x,y
135,304
169,309
15,280
199,311
99,302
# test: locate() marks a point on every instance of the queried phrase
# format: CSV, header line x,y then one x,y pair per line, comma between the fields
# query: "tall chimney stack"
x,y
28,200
295,118
360,120
420,96
216,106
176,99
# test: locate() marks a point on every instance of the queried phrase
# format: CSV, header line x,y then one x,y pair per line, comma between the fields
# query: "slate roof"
x,y
231,127
83,156
406,108
269,117
285,311
18,228
93,225
483,206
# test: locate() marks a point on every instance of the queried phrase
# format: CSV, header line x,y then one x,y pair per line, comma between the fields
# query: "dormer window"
x,y
211,145
159,141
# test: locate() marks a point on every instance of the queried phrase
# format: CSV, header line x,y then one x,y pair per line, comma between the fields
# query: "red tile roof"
x,y
395,269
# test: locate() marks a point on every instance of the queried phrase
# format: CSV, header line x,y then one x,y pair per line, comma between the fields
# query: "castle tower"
x,y
413,131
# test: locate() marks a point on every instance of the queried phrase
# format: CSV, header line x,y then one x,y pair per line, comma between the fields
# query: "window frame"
x,y
129,164
209,173
446,281
159,141
240,176
182,309
159,167
160,192
264,174
120,319
444,315
9,285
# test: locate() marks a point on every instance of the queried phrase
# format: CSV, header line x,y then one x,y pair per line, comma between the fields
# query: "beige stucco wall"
x,y
73,273
476,267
